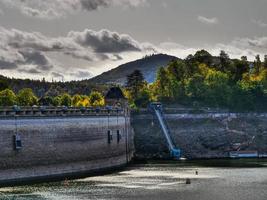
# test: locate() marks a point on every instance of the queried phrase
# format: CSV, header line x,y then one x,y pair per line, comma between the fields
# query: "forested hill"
x,y
148,65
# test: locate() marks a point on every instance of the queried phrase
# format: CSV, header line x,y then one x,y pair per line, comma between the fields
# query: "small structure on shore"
x,y
115,97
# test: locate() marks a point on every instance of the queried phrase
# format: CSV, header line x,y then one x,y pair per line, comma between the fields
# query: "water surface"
x,y
216,179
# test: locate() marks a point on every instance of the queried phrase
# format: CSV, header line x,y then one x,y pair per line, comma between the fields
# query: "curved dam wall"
x,y
202,135
62,146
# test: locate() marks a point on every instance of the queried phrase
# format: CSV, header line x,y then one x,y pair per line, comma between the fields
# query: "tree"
x,y
7,98
96,99
56,101
257,64
46,101
195,88
84,102
3,85
225,62
218,91
26,97
162,83
143,99
135,83
178,70
265,62
203,56
76,100
240,67
65,100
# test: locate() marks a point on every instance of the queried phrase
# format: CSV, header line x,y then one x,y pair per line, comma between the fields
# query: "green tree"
x,y
143,99
26,97
135,82
195,88
162,83
240,67
96,99
203,56
56,101
65,100
257,64
225,62
265,62
7,98
178,70
46,101
218,91
76,100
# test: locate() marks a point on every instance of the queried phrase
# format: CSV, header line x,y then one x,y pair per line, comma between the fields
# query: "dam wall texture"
x,y
61,143
201,134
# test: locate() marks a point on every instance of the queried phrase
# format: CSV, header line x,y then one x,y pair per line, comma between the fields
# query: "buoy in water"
x,y
188,181
66,183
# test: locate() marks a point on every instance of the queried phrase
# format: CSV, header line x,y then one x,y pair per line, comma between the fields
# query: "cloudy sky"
x,y
78,39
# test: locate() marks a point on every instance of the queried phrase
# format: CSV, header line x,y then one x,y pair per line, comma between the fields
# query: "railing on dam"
x,y
43,111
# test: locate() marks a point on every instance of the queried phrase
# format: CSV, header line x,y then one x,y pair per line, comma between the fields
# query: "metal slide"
x,y
157,108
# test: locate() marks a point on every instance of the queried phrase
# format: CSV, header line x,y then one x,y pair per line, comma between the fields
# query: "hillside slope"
x,y
148,66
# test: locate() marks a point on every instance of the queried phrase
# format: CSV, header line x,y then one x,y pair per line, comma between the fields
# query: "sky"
x,y
78,39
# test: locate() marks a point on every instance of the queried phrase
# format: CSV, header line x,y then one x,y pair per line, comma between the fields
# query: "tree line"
x,y
204,80
26,97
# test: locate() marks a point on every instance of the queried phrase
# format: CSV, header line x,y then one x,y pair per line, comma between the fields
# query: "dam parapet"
x,y
48,111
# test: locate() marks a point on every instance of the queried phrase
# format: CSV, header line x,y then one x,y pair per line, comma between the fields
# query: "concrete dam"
x,y
48,143
43,143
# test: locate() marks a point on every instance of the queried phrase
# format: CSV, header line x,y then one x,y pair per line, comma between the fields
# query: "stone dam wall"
x,y
202,135
62,146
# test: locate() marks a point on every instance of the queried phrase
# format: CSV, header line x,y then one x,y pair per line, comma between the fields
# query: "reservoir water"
x,y
216,180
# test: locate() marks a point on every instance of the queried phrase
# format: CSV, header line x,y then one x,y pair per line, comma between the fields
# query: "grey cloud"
x,y
87,45
207,20
105,41
31,52
37,58
57,75
80,55
7,65
82,74
94,4
257,42
30,71
50,9
259,23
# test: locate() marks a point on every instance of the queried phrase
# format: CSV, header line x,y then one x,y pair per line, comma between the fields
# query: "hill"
x,y
148,65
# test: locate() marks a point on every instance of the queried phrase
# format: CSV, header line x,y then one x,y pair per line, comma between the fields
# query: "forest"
x,y
204,80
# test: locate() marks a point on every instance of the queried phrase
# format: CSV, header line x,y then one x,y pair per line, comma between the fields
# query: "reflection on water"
x,y
220,180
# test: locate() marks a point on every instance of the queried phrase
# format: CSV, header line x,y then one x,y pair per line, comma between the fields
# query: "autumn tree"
x,y
26,97
96,99
7,98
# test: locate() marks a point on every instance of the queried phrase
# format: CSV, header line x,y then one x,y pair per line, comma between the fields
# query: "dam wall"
x,y
200,135
62,143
